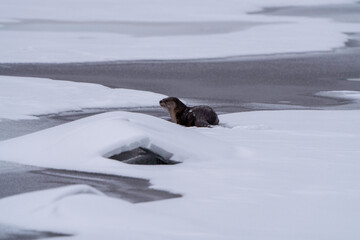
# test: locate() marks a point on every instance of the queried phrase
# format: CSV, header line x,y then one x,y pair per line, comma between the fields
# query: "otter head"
x,y
169,103
173,105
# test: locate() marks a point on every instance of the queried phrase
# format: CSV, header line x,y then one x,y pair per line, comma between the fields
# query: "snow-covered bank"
x,y
303,36
352,97
263,35
109,134
142,10
345,94
24,97
270,174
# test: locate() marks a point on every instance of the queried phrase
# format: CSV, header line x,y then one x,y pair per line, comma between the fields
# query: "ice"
x,y
267,174
25,97
344,94
302,36
142,10
348,97
40,204
106,135
259,175
85,207
258,34
271,106
41,199
354,79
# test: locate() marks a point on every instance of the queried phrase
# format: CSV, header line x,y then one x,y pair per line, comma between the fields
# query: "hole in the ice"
x,y
143,156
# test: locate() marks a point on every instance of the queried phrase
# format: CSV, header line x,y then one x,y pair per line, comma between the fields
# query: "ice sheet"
x,y
25,97
344,94
269,174
263,35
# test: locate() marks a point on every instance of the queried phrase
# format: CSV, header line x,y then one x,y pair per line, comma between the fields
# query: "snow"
x,y
350,98
260,175
268,174
110,134
258,34
82,47
142,10
344,94
25,97
272,106
354,79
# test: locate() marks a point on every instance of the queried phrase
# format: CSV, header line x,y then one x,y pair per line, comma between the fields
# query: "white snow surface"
x,y
266,175
266,34
24,97
142,10
343,94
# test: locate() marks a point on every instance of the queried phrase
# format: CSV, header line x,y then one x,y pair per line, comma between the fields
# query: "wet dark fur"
x,y
199,116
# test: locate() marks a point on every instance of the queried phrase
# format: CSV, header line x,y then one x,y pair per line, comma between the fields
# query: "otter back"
x,y
199,116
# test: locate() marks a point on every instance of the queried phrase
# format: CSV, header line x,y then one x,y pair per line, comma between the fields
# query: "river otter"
x,y
199,116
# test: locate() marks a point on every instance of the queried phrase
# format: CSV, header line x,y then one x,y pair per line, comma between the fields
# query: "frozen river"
x,y
229,85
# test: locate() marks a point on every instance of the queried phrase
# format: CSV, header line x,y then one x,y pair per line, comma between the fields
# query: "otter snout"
x,y
162,103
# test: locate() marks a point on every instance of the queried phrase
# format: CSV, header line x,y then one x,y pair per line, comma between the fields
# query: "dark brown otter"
x,y
199,116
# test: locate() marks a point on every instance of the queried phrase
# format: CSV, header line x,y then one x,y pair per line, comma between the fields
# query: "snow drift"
x,y
55,39
271,174
26,97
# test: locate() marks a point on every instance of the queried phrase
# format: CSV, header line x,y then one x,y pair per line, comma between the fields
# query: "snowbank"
x,y
344,94
354,79
259,34
85,144
270,174
24,97
142,10
302,36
